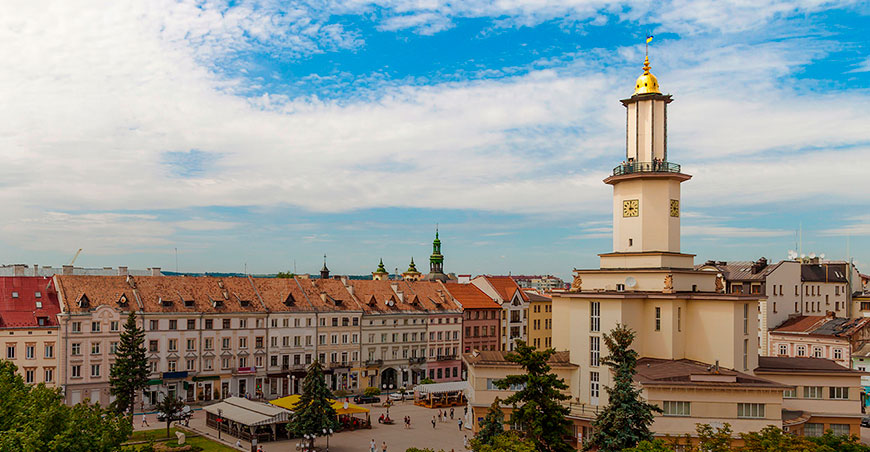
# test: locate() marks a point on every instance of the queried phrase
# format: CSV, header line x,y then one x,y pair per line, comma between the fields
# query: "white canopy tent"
x,y
235,415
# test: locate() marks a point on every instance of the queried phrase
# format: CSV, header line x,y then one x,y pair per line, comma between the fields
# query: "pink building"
x,y
820,336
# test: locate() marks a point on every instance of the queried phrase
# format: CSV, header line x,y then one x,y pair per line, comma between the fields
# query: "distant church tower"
x,y
324,272
436,261
411,274
381,273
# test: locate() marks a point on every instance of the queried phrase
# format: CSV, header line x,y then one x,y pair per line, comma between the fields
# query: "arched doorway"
x,y
388,379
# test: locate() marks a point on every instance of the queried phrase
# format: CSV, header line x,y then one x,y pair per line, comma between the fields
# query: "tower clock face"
x,y
630,208
675,207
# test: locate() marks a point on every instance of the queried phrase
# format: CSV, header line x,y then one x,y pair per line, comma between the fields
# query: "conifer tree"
x,y
129,373
314,412
626,419
491,426
537,400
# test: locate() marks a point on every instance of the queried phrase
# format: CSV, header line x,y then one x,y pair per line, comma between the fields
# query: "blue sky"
x,y
265,134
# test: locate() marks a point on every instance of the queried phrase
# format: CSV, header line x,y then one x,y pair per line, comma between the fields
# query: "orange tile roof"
x,y
506,287
433,295
801,324
336,294
98,290
282,295
470,297
209,294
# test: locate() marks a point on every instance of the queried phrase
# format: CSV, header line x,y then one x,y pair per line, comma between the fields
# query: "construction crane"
x,y
73,261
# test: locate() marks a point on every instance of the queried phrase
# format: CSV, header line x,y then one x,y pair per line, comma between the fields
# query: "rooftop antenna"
x,y
176,259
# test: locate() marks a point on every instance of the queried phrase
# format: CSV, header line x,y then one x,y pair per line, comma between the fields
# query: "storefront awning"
x,y
155,381
206,378
291,401
249,413
440,388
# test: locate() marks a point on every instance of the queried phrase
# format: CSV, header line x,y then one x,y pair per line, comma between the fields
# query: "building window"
x,y
679,318
594,387
77,327
191,324
76,371
173,324
595,316
658,318
173,345
95,370
745,353
29,351
113,348
838,353
812,392
783,349
114,325
745,318
172,366
817,352
672,408
49,350
29,375
839,392
814,429
840,429
153,325
75,349
750,410
49,375
595,350
209,324
801,350
789,393
95,348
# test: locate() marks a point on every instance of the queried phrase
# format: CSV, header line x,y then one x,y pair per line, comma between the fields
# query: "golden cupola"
x,y
646,83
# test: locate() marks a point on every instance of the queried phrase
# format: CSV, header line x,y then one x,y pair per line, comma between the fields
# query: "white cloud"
x,y
731,232
95,96
856,226
863,66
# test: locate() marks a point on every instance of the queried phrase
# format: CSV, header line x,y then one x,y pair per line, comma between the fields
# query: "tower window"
x,y
630,242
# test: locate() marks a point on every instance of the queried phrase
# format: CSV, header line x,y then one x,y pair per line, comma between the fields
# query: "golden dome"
x,y
646,83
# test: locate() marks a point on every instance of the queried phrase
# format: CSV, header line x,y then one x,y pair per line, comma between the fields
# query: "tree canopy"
x,y
537,401
129,373
34,418
627,418
314,413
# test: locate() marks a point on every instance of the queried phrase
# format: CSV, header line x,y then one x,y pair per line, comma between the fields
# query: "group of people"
x,y
442,417
373,447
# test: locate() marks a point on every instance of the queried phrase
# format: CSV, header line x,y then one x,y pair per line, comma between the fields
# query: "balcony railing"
x,y
446,357
646,167
374,362
417,360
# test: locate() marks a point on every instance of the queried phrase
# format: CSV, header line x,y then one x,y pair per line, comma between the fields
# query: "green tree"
x,y
772,439
536,403
840,443
171,408
371,391
35,418
711,439
129,373
626,419
491,426
288,274
508,442
655,445
314,411
427,381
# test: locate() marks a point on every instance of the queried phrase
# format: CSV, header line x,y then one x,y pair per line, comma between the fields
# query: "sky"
x,y
262,135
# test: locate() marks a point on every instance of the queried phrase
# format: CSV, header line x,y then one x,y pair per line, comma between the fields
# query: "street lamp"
x,y
219,420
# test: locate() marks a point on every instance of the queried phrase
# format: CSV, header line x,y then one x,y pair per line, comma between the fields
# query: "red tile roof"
x,y
506,287
282,295
20,311
470,297
801,324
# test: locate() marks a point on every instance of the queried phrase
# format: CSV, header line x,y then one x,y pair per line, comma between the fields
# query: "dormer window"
x,y
37,294
83,301
373,301
42,321
188,303
289,301
164,303
216,303
245,303
122,302
14,294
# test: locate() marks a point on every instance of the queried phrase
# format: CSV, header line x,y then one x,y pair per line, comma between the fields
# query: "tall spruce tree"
x,y
626,419
536,403
491,426
129,374
314,412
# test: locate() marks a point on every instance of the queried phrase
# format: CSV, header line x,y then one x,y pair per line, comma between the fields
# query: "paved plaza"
x,y
445,435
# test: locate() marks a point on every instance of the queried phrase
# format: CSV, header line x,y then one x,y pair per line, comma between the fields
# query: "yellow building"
x,y
540,320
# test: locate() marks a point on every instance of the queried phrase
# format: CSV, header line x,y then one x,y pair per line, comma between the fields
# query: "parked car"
x,y
865,421
360,398
396,396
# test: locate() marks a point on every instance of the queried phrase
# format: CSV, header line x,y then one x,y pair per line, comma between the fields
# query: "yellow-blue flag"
x,y
649,39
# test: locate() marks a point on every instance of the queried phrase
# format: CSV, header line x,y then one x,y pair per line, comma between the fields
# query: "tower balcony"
x,y
646,167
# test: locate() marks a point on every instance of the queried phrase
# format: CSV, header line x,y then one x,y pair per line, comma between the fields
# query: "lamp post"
x,y
219,420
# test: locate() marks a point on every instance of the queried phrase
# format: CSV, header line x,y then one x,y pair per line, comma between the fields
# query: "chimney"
x,y
67,269
35,269
122,271
18,269
350,289
155,271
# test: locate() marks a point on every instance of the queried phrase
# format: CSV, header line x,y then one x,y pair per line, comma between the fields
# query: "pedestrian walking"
x,y
144,420
433,422
460,424
451,413
384,448
373,445
465,441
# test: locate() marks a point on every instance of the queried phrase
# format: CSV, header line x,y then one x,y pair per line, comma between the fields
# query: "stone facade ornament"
x,y
669,284
720,283
577,283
